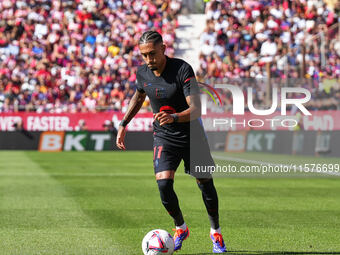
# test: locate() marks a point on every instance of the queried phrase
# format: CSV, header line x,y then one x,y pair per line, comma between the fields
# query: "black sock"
x,y
210,199
170,200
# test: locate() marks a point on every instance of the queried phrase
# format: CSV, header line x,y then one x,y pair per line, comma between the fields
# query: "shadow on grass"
x,y
267,252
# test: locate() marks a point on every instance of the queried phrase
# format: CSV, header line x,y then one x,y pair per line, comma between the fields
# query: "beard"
x,y
153,68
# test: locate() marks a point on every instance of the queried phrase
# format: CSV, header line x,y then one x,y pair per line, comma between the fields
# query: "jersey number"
x,y
157,150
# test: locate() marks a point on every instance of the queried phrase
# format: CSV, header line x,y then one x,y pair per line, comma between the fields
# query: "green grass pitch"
x,y
105,202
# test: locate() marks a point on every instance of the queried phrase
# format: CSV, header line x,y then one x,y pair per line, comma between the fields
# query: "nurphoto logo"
x,y
239,101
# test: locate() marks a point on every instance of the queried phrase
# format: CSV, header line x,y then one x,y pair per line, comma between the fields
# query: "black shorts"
x,y
197,159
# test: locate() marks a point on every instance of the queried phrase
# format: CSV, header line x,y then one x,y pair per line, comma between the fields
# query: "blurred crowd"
x,y
289,39
79,56
76,56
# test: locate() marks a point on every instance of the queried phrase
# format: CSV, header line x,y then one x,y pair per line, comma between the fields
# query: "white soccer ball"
x,y
158,242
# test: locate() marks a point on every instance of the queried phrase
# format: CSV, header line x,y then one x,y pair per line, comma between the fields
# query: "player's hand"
x,y
120,138
164,118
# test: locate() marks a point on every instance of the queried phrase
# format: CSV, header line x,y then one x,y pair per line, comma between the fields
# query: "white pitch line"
x,y
249,161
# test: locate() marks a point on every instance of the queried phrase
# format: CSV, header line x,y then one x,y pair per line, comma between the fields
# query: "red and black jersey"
x,y
168,93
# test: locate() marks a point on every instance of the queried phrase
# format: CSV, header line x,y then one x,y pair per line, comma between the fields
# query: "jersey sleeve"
x,y
188,80
139,84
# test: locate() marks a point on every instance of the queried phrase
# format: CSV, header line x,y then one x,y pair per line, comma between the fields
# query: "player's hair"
x,y
150,37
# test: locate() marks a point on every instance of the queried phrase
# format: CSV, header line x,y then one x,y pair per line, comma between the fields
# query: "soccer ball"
x,y
158,242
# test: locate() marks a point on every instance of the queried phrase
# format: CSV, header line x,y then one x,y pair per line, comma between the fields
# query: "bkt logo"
x,y
239,101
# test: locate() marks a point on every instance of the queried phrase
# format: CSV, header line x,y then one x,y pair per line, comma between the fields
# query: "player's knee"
x,y
166,188
165,184
202,181
169,174
206,185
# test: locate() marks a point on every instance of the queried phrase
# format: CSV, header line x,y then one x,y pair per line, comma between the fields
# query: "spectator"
x,y
262,31
110,127
60,56
81,126
247,34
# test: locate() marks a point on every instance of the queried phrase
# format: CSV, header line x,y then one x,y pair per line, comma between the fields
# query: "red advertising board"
x,y
69,121
319,120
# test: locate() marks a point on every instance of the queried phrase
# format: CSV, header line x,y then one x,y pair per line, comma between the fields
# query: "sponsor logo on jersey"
x,y
160,93
147,84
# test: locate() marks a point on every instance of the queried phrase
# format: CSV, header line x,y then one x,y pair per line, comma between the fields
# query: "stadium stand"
x,y
292,41
75,56
81,56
